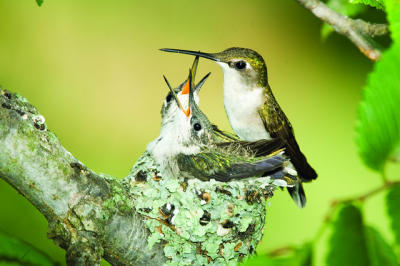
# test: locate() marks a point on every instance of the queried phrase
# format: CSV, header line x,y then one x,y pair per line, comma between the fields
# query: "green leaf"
x,y
305,255
300,257
352,243
39,2
393,210
379,251
378,125
374,3
343,7
347,242
393,16
22,253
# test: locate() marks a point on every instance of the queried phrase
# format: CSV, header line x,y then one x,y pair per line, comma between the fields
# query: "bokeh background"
x,y
94,71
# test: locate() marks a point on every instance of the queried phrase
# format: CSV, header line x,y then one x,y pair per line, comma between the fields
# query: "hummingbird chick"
x,y
189,147
252,109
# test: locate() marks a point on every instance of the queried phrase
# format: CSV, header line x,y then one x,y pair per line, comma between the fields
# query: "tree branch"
x,y
357,30
144,219
70,196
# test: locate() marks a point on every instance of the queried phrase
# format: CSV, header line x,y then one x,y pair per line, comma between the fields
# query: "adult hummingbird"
x,y
252,109
187,145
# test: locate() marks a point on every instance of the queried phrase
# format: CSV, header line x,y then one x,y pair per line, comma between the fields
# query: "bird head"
x,y
185,119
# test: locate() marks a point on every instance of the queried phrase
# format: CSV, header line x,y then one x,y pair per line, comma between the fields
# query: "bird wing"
x,y
278,126
259,148
223,135
222,167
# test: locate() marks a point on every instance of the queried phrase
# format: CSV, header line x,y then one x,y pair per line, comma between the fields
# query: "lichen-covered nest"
x,y
200,222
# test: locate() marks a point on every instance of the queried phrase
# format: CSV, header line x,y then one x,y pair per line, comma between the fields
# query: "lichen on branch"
x,y
89,215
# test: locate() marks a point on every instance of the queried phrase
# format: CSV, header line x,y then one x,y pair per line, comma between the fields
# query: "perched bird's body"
x,y
250,99
188,145
251,107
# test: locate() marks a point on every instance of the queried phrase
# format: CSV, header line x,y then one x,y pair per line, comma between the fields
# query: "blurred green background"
x,y
94,71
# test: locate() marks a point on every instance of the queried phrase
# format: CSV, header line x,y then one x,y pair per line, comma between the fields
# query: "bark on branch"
x,y
358,31
144,219
70,196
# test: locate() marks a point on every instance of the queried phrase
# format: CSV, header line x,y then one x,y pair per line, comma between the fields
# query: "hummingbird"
x,y
252,109
187,145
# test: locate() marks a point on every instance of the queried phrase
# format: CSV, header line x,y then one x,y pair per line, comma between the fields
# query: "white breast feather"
x,y
242,102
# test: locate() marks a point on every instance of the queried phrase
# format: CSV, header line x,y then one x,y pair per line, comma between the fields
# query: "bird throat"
x,y
242,102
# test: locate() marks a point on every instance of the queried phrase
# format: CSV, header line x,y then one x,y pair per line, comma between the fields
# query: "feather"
x,y
226,167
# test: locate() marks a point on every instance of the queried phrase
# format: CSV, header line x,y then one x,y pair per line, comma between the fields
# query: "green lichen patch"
x,y
118,202
199,222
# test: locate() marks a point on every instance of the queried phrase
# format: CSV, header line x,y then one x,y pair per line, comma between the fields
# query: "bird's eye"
x,y
169,97
197,127
240,65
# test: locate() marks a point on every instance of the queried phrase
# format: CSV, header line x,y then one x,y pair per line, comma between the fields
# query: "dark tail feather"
x,y
298,195
299,161
242,170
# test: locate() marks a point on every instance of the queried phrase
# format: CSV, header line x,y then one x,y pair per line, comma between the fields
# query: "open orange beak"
x,y
187,84
187,87
185,90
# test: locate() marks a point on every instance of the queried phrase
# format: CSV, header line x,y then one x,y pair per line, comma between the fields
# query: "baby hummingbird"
x,y
187,145
252,109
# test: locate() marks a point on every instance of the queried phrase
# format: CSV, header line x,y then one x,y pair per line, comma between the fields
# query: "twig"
x,y
360,198
328,217
386,185
357,30
370,29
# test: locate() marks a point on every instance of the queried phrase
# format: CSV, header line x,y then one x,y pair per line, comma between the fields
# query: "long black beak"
x,y
201,54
